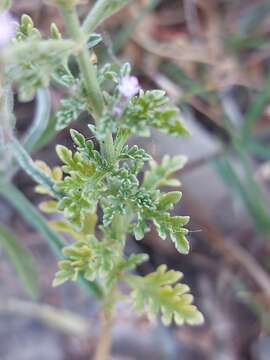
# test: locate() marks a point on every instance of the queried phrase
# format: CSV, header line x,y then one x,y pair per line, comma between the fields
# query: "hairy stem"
x,y
96,107
88,72
87,69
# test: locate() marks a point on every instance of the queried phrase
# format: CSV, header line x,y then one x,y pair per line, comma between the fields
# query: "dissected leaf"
x,y
69,110
156,293
159,175
180,241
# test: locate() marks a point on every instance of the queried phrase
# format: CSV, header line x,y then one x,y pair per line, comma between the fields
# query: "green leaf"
x,y
151,109
107,72
64,77
156,293
168,225
26,29
140,229
32,63
124,265
23,261
159,175
169,122
55,32
134,153
69,110
87,152
181,242
125,70
94,40
64,154
168,200
90,258
78,138
49,206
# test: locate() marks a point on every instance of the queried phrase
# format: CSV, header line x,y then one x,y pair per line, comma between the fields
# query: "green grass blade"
x,y
259,149
250,195
22,260
256,109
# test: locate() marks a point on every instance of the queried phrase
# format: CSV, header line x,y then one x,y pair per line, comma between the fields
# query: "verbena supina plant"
x,y
122,181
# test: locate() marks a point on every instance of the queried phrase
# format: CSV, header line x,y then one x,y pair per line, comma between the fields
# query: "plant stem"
x,y
86,67
96,107
105,336
88,71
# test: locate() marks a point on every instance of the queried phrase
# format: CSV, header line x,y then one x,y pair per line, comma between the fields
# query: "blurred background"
x,y
213,59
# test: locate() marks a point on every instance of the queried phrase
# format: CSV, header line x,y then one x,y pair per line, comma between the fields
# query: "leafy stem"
x,y
96,106
120,180
94,95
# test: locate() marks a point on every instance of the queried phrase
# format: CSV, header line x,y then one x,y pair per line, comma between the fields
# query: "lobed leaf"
x,y
156,293
69,110
159,175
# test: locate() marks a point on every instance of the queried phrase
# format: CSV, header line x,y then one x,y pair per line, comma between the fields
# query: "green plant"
x,y
102,174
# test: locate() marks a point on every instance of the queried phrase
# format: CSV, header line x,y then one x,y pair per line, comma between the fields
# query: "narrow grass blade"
x,y
22,260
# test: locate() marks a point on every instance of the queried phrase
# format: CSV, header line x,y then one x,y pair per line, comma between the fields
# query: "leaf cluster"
x,y
32,62
149,109
126,187
92,181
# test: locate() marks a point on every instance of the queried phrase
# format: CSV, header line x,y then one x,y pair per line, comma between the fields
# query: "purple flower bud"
x,y
129,86
117,110
7,28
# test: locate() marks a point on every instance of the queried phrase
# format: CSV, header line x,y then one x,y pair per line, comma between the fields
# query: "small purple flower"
x,y
117,110
129,86
7,28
